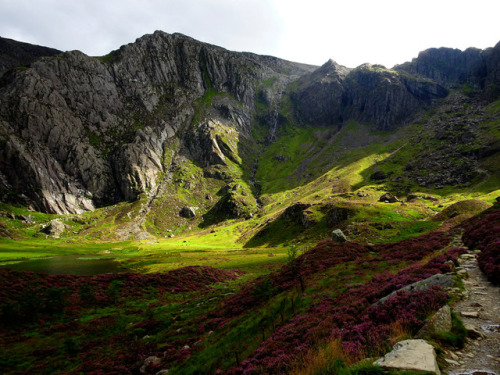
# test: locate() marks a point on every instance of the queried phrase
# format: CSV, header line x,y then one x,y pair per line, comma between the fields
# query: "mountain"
x,y
15,54
174,122
261,215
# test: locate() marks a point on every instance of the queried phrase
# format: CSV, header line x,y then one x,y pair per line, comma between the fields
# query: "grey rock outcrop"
x,y
415,355
339,236
79,132
55,228
440,280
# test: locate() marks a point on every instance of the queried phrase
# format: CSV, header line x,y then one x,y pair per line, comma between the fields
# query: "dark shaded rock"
x,y
188,212
379,175
388,197
26,218
333,95
294,210
448,66
411,197
338,236
336,215
14,54
306,218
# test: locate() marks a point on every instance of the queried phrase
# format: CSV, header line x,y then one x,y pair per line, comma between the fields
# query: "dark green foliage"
x,y
264,290
56,299
71,346
113,291
87,294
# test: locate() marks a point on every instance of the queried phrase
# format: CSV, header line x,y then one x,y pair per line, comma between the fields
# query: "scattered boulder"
x,y
150,361
55,228
440,321
413,355
187,212
388,198
339,236
26,218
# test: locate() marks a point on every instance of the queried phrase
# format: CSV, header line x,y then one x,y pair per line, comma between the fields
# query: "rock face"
x,y
383,98
416,355
79,132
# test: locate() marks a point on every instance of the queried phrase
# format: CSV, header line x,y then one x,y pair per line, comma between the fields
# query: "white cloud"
x,y
351,32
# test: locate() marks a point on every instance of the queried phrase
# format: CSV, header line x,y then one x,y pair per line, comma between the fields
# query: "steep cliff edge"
x,y
79,132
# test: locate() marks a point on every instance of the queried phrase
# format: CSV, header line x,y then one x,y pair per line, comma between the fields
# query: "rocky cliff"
x,y
371,94
79,132
453,68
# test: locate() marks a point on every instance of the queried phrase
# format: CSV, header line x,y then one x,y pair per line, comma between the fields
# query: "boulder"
x,y
440,280
55,228
26,218
339,236
413,355
149,362
388,198
187,212
440,321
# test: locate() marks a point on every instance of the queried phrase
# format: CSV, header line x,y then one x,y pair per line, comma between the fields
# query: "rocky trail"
x,y
480,312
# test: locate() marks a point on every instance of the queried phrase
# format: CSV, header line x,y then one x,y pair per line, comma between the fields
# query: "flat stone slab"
x,y
470,314
416,355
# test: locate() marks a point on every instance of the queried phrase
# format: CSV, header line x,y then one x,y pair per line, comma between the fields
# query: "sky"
x,y
351,32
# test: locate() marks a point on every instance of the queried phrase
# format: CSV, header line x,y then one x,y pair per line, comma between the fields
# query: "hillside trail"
x,y
480,312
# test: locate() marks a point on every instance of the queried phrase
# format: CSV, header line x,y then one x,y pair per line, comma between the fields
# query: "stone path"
x,y
480,312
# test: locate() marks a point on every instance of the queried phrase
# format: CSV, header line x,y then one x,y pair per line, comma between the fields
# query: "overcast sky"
x,y
350,32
